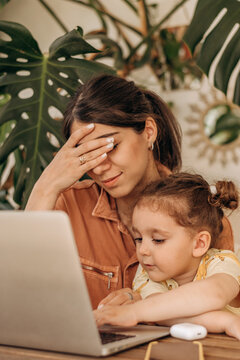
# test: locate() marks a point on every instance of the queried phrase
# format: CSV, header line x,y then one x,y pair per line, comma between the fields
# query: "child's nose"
x,y
144,249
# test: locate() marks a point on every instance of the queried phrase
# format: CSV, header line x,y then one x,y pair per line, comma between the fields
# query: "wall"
x,y
45,30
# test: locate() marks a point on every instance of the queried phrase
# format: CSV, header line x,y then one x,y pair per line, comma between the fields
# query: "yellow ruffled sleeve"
x,y
219,261
145,286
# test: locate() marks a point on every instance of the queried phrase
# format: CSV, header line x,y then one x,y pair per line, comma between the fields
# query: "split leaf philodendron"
x,y
39,87
215,27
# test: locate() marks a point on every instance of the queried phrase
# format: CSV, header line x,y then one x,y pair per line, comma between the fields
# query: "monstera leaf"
x,y
3,3
215,25
39,86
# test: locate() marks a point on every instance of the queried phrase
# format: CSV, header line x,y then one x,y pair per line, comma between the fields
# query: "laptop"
x,y
44,302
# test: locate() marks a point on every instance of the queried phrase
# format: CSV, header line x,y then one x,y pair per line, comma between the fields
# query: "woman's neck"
x,y
125,205
125,209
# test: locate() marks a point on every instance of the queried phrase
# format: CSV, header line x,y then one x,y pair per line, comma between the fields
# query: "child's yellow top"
x,y
214,262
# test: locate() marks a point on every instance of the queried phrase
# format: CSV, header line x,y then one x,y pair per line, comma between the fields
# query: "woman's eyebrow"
x,y
107,135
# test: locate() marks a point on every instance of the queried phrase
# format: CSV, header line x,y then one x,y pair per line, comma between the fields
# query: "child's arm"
x,y
214,321
191,299
188,300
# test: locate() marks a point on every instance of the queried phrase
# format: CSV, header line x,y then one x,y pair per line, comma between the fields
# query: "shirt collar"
x,y
106,207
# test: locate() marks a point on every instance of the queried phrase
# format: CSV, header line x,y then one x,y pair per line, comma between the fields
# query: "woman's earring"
x,y
152,147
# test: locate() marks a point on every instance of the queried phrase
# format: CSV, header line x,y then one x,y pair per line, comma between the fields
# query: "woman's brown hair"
x,y
192,202
114,101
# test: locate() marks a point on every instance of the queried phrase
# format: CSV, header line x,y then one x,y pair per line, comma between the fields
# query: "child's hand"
x,y
116,315
120,297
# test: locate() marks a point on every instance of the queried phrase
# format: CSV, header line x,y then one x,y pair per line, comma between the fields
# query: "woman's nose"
x,y
104,166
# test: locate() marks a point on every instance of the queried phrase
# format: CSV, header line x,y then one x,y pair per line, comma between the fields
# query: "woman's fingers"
x,y
86,166
87,151
88,146
90,150
120,297
77,135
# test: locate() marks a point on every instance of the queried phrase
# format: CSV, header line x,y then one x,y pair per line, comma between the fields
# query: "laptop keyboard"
x,y
107,337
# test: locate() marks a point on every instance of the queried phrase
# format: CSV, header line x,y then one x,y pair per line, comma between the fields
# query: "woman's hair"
x,y
191,201
114,101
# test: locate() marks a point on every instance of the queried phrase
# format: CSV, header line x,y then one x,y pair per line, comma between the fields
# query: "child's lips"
x,y
148,265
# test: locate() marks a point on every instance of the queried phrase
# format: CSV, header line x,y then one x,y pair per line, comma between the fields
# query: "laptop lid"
x,y
44,301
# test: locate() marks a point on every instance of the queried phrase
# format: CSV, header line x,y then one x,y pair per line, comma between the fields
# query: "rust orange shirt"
x,y
105,246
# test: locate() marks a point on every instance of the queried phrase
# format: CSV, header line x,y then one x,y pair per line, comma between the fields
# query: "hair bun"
x,y
224,195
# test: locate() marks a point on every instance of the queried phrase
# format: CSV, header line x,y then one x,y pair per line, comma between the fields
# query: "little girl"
x,y
181,276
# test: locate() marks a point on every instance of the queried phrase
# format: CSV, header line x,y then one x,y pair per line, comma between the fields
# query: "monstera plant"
x,y
215,27
38,86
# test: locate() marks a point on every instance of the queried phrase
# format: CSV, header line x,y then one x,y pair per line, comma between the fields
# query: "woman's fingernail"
x,y
100,306
110,140
90,126
104,155
109,146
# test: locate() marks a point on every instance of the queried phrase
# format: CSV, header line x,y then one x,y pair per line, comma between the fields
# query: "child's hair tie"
x,y
213,189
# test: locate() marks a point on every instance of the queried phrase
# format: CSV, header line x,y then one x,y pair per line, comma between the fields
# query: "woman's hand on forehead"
x,y
74,159
71,162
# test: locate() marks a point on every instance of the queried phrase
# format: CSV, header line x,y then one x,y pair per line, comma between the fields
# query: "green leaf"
x,y
222,123
112,46
4,129
4,204
223,39
37,84
3,3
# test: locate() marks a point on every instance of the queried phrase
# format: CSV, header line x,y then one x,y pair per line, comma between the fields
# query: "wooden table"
x,y
216,347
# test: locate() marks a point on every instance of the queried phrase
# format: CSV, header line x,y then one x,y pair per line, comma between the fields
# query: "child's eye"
x,y
158,241
138,240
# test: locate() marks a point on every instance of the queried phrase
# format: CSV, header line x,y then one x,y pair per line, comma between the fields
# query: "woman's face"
x,y
129,166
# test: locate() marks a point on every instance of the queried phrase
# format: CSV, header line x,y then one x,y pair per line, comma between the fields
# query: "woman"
x,y
124,138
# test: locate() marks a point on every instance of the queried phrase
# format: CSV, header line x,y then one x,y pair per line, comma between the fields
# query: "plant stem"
x,y
154,28
53,14
113,18
142,11
118,27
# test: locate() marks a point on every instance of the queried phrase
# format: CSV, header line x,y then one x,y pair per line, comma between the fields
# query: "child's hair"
x,y
191,201
110,100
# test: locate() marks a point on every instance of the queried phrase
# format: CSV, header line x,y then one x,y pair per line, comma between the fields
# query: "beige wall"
x,y
33,16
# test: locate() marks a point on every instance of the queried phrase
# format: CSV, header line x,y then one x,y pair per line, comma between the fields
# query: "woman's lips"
x,y
111,181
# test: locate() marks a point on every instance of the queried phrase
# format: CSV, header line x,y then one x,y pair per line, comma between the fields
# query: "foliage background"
x,y
157,59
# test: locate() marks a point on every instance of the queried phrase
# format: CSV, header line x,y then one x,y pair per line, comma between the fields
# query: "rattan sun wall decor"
x,y
214,127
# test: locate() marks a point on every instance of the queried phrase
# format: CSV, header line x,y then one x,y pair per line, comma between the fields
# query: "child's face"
x,y
164,248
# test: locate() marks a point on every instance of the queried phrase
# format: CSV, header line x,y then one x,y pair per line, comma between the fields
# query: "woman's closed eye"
x,y
115,146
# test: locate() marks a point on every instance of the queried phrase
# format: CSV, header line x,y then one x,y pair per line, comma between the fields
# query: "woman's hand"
x,y
120,297
116,315
71,162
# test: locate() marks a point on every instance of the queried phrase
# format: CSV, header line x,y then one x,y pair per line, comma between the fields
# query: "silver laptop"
x,y
44,302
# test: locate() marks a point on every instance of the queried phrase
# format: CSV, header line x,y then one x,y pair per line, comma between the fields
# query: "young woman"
x,y
181,276
124,138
